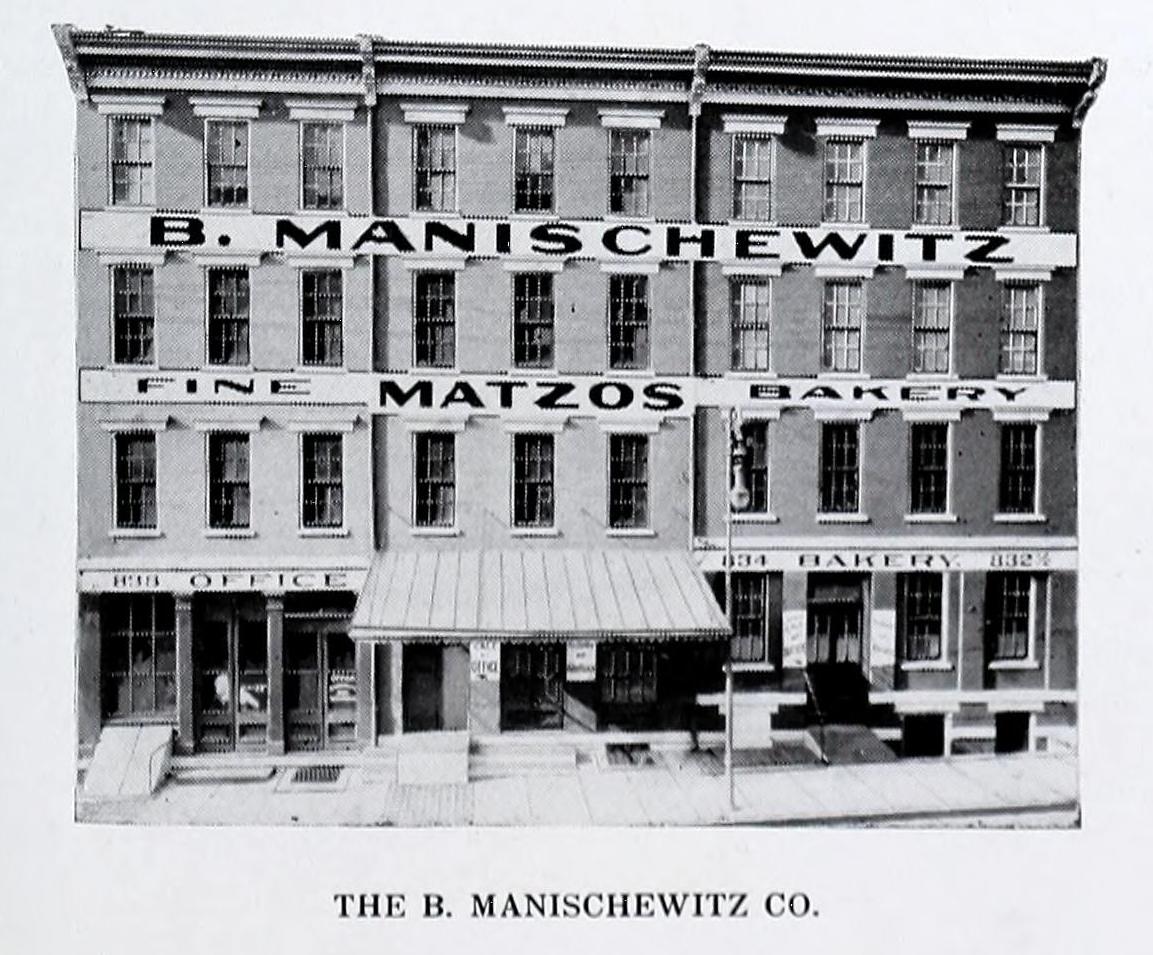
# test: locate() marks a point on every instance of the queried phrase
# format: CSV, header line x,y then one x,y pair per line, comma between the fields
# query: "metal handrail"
x,y
820,715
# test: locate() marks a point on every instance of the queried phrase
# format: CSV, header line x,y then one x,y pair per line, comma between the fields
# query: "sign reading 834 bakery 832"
x,y
558,239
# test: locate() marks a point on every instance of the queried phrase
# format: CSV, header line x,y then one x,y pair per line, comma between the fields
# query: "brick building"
x,y
414,379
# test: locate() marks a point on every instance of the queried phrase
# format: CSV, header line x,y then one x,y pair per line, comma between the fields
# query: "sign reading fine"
x,y
559,239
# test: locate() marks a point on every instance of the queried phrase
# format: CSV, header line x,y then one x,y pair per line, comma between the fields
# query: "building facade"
x,y
416,380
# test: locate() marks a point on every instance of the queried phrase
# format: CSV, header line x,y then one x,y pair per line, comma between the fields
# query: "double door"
x,y
319,685
532,686
230,663
836,616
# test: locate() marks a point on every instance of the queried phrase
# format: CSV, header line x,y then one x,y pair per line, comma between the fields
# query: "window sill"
x,y
1027,379
236,210
534,532
933,376
434,531
319,369
843,375
1020,519
842,518
1023,228
926,666
849,225
931,518
646,372
434,213
630,532
227,532
132,366
323,531
327,213
760,517
752,667
136,533
1026,664
221,367
751,373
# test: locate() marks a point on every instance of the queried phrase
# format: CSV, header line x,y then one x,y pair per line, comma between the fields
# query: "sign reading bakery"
x,y
558,239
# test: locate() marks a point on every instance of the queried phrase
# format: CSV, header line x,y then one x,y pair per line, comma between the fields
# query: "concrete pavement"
x,y
971,790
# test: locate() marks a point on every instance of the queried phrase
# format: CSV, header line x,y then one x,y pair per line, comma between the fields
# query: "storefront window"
x,y
138,649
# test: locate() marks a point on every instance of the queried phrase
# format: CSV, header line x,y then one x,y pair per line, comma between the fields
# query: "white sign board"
x,y
795,639
882,646
581,661
484,660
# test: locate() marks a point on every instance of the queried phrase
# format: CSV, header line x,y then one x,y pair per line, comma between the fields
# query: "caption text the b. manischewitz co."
x,y
777,904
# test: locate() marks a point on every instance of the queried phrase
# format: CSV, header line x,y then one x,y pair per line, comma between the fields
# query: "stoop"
x,y
129,761
432,759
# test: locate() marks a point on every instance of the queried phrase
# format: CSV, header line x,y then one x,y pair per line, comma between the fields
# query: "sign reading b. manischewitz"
x,y
556,239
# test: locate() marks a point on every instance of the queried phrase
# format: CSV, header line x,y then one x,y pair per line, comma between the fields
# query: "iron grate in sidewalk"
x,y
629,754
323,774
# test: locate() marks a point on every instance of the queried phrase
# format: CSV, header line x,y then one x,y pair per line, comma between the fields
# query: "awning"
x,y
451,595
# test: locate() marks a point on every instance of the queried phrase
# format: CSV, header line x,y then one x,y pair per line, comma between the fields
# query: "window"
x,y
628,481
533,315
629,171
226,152
322,480
933,188
628,321
322,165
532,457
133,315
628,673
435,480
920,615
135,480
434,160
842,319
1020,329
228,313
844,180
1024,171
751,312
131,152
1008,604
752,177
932,327
929,468
534,150
435,331
137,655
1018,487
756,438
840,469
321,314
228,487
750,618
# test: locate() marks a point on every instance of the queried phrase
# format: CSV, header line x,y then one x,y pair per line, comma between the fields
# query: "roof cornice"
x,y
1078,80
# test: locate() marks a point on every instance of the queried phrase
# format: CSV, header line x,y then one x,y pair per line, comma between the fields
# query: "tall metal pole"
x,y
729,781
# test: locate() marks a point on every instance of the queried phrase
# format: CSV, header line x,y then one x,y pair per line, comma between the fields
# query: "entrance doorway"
x,y
1012,733
230,662
532,686
836,614
319,687
422,680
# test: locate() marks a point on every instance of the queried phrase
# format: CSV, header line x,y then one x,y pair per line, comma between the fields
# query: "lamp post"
x,y
738,500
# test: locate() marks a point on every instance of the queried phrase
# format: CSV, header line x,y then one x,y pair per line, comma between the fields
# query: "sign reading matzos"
x,y
558,239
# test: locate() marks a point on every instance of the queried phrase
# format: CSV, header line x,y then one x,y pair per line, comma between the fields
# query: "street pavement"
x,y
1025,790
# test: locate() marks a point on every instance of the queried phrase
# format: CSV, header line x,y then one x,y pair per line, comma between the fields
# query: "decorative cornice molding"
x,y
453,114
338,110
752,123
937,130
701,57
620,117
1025,133
63,33
852,127
524,115
367,67
129,104
226,107
1096,78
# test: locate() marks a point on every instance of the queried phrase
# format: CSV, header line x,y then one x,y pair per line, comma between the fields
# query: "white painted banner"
x,y
560,396
484,660
1020,555
882,646
552,239
795,639
581,661
273,580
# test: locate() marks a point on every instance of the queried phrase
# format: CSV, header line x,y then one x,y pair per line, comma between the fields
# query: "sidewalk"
x,y
973,790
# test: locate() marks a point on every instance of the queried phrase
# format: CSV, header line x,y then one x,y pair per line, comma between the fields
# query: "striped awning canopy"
x,y
533,594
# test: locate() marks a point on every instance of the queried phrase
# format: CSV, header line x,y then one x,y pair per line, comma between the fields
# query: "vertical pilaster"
x,y
395,653
185,739
365,695
274,606
88,673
